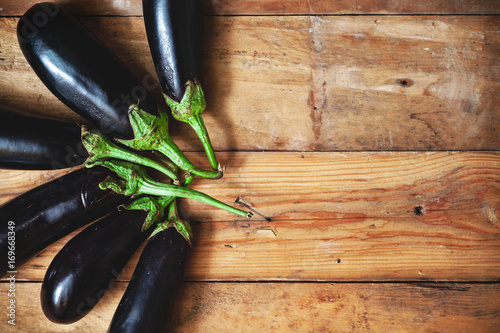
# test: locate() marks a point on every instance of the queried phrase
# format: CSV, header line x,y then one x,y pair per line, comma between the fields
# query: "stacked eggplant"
x,y
112,189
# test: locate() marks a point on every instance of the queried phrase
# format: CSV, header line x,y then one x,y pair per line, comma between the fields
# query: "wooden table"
x,y
368,130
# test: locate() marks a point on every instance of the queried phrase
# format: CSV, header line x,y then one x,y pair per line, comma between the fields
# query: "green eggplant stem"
x,y
155,206
160,189
162,158
173,212
151,133
189,178
100,147
173,152
189,110
198,125
135,181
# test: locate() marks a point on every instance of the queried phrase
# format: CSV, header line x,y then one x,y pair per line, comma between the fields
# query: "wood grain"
x,y
15,182
359,236
343,216
403,83
276,7
297,307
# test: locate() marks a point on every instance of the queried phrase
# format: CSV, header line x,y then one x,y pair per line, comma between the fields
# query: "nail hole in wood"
x,y
405,83
419,210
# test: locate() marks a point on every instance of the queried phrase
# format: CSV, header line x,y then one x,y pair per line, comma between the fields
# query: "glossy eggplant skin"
x,y
147,303
89,263
53,210
175,34
80,70
33,143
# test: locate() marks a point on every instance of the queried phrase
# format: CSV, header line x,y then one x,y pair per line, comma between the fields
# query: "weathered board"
x,y
315,83
393,216
294,307
368,131
276,7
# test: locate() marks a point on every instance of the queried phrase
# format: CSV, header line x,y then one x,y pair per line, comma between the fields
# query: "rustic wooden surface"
x,y
332,74
300,307
340,216
276,7
371,139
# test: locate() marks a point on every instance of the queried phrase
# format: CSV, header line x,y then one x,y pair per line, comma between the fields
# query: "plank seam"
x,y
298,15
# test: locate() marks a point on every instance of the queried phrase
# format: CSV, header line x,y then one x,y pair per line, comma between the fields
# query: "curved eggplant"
x,y
147,303
80,70
33,143
91,80
175,35
50,211
89,263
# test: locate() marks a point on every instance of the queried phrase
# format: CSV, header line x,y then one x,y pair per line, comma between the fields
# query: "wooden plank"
x,y
15,182
343,216
297,307
311,83
276,7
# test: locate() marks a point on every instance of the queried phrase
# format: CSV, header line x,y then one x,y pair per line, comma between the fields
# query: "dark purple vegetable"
x,y
89,263
50,211
91,80
33,143
80,70
147,303
175,36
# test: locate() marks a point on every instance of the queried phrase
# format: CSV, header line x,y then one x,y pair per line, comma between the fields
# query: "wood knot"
x,y
405,83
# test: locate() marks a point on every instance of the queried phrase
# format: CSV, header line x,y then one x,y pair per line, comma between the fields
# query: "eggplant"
x,y
85,268
50,211
146,305
85,75
175,35
80,70
34,143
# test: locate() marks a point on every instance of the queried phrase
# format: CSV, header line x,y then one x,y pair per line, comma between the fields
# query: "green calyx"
x,y
151,136
192,103
155,206
130,177
151,133
189,110
175,221
100,148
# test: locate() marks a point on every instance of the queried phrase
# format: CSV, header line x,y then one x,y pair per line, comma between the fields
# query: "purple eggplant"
x,y
93,82
89,263
175,35
80,70
50,211
147,303
33,143
28,142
